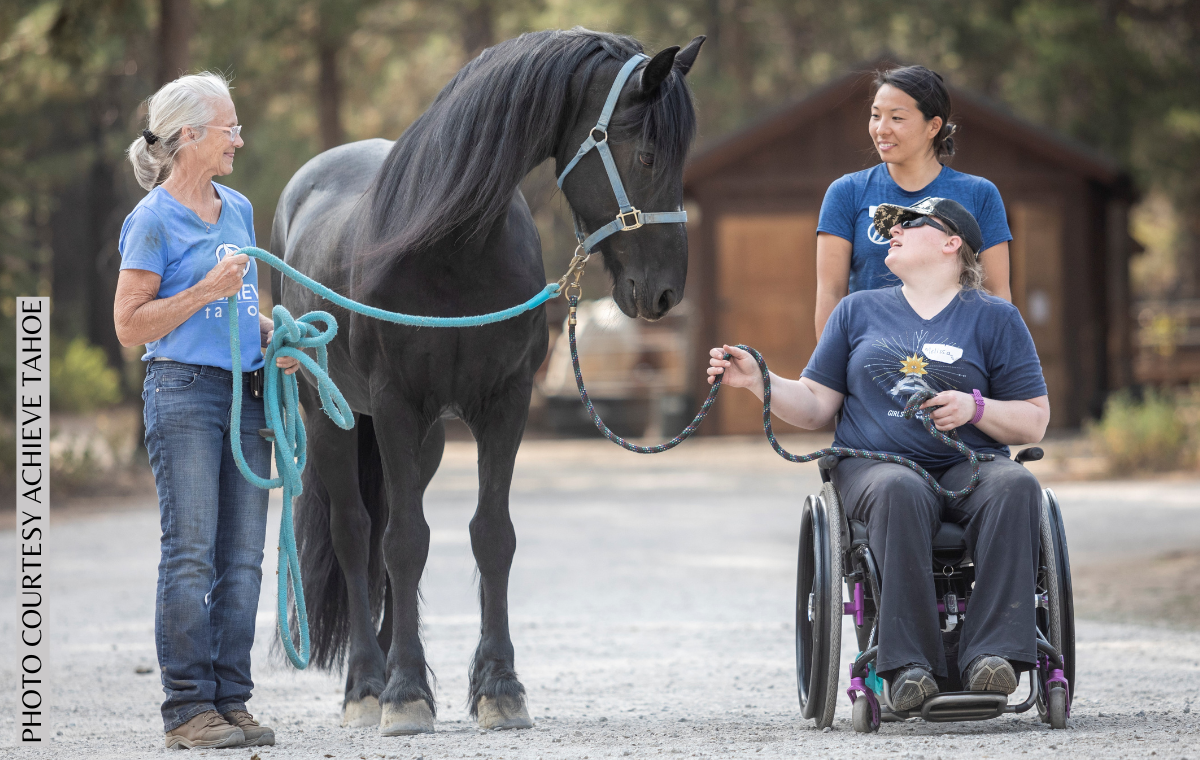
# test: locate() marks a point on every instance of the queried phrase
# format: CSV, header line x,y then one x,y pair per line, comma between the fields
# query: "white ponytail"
x,y
189,101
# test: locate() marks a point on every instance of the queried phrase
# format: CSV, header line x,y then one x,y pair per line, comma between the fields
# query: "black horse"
x,y
434,224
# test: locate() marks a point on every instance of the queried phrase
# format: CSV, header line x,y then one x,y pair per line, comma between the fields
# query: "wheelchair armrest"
x,y
1031,454
828,462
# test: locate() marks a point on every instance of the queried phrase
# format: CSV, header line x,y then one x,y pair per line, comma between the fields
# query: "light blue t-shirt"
x,y
849,208
878,352
163,236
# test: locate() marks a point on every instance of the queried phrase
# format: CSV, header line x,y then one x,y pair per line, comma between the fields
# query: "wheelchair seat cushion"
x,y
950,537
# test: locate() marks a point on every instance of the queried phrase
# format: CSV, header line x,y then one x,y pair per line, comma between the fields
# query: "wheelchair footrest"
x,y
963,705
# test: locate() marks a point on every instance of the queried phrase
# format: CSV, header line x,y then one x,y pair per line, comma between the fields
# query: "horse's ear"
x,y
659,68
687,57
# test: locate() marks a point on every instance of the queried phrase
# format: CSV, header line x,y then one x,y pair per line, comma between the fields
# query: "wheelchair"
x,y
834,551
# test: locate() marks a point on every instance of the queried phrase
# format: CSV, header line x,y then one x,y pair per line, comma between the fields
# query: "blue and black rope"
x,y
912,409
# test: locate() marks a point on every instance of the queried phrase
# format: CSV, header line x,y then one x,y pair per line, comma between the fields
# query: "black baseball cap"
x,y
962,223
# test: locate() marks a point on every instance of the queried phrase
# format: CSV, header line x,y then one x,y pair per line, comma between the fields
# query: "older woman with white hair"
x,y
179,263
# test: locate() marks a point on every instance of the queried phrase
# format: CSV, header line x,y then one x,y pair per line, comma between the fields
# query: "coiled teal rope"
x,y
281,398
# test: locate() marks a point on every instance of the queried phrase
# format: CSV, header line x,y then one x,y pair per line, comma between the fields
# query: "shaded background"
x,y
1117,76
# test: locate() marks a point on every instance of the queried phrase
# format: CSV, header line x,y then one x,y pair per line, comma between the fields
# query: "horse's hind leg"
x,y
335,455
497,698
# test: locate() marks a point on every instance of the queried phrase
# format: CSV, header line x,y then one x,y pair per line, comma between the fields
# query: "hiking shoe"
x,y
208,729
991,673
910,687
256,735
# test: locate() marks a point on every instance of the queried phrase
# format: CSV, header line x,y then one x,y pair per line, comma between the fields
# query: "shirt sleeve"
x,y
1014,369
828,363
837,210
143,243
993,221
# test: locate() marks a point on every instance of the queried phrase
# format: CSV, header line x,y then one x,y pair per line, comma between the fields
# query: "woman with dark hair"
x,y
911,129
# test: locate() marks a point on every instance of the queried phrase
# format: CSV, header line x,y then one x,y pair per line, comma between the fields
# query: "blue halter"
x,y
628,218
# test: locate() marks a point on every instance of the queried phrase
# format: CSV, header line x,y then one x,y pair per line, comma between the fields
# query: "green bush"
x,y
1141,435
81,379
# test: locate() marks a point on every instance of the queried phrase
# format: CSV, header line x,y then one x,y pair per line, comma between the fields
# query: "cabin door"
x,y
766,298
1037,287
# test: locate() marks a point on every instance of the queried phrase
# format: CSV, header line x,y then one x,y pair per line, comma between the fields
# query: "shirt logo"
x,y
229,249
873,234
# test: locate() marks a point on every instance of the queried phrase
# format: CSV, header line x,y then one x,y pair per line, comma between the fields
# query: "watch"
x,y
978,406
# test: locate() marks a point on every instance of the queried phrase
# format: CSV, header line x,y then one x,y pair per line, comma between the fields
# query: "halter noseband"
x,y
628,218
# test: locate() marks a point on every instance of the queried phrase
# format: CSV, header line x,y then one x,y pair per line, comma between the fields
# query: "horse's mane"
x,y
455,169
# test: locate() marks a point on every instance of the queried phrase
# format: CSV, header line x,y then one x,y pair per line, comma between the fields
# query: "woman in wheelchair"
x,y
940,333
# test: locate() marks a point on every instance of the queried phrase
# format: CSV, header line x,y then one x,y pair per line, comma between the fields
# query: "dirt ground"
x,y
651,605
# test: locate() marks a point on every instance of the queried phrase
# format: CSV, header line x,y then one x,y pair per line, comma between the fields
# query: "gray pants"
x,y
1001,518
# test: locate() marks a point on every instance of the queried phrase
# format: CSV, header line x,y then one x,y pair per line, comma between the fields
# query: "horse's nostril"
x,y
666,301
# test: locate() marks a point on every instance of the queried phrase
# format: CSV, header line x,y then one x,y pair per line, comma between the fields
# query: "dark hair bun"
x,y
943,142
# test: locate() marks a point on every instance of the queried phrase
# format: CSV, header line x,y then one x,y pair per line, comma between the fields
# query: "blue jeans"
x,y
213,526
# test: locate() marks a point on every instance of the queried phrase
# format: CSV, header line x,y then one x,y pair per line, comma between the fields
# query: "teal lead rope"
x,y
281,399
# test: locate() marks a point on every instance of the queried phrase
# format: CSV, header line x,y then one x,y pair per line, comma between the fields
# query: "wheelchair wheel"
x,y
819,606
1066,597
861,717
1058,620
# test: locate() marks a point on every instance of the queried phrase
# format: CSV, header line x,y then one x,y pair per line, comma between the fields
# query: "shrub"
x,y
81,379
1141,435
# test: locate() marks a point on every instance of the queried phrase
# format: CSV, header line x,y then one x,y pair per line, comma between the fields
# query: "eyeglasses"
x,y
921,221
233,131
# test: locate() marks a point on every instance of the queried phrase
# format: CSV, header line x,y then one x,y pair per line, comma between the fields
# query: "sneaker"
x,y
208,729
910,687
990,673
256,735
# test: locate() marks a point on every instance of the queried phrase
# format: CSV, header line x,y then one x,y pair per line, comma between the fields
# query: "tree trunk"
x,y
174,35
329,94
478,19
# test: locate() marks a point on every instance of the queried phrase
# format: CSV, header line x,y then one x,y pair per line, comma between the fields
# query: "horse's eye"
x,y
647,159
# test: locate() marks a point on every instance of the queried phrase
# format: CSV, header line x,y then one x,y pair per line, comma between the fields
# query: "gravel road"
x,y
651,603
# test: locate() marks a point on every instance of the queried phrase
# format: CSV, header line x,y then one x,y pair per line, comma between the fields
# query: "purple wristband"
x,y
978,406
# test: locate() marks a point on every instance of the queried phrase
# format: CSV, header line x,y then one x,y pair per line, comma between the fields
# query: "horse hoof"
x,y
503,713
409,718
365,712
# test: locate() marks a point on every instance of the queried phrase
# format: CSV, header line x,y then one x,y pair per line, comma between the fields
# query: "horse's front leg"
x,y
407,701
497,698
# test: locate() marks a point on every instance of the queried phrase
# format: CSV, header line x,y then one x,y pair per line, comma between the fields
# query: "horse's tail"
x,y
325,592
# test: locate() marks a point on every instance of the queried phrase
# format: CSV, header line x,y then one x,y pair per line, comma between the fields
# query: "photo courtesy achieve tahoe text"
x,y
32,378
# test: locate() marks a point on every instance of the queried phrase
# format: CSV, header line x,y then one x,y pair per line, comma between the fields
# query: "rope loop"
x,y
294,338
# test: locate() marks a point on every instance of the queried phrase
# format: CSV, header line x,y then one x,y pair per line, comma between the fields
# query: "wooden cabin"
x,y
754,197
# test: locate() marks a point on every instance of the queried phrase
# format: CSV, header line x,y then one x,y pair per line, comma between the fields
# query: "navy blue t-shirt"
x,y
878,352
849,207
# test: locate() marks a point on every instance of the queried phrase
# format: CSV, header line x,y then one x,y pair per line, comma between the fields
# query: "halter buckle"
x,y
602,131
637,219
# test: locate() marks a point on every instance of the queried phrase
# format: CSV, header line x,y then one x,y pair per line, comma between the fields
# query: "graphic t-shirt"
x,y
878,352
163,236
850,203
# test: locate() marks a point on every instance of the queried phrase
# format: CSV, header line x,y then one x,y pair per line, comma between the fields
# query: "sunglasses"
x,y
921,221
